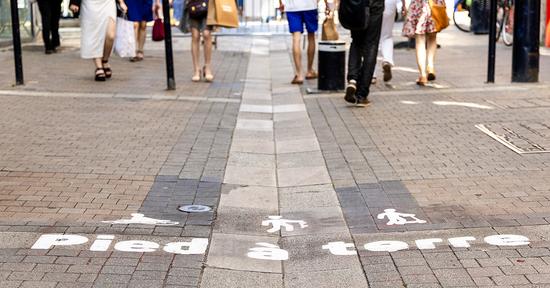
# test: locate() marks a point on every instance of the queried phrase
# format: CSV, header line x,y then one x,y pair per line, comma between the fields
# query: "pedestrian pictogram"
x,y
278,222
396,218
138,218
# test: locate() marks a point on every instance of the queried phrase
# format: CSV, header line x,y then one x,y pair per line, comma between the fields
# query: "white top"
x,y
300,5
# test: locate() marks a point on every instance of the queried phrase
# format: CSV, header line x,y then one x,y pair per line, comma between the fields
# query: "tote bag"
x,y
158,30
125,40
439,16
329,30
223,14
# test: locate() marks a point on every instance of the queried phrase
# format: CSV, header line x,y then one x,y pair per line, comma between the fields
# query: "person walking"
x,y
98,29
194,21
140,12
385,49
363,51
50,11
300,13
420,26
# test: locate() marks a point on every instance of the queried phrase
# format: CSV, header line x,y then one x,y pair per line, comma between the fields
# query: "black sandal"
x,y
100,77
107,70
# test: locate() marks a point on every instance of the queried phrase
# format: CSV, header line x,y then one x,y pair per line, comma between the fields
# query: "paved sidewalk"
x,y
443,186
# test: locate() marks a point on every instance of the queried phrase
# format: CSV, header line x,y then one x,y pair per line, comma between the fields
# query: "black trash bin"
x,y
332,65
479,13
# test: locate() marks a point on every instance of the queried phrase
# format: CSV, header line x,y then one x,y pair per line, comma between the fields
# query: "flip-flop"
x,y
296,81
313,76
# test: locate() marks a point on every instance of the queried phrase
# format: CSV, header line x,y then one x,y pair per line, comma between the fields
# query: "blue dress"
x,y
140,10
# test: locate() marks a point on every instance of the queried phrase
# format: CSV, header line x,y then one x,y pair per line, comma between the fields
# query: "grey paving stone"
x,y
214,278
331,278
230,252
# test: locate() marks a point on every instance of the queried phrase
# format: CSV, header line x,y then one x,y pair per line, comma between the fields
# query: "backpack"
x,y
354,14
197,9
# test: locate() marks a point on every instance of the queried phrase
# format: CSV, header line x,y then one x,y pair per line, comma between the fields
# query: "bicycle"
x,y
505,19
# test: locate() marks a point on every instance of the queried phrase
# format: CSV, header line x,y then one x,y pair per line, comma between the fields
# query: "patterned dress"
x,y
419,18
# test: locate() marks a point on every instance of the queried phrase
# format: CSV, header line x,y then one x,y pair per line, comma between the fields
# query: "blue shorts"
x,y
297,19
140,10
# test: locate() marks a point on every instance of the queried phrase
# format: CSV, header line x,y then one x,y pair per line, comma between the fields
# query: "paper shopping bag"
x,y
329,30
226,14
125,40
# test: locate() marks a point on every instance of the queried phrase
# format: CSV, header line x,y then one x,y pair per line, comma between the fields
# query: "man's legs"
x,y
310,55
56,14
45,12
297,55
354,64
369,50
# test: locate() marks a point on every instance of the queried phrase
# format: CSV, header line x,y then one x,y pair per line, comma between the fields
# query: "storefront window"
x,y
5,20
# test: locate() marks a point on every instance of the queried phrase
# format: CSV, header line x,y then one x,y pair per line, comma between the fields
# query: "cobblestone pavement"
x,y
445,186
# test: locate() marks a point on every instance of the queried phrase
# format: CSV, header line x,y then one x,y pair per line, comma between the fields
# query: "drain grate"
x,y
521,137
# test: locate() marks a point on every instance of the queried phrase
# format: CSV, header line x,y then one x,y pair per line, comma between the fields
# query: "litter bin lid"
x,y
332,46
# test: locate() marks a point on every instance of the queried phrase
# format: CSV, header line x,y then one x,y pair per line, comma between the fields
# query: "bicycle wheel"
x,y
508,30
500,21
461,17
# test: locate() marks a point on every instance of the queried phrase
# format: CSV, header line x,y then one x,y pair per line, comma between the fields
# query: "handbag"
x,y
354,14
439,15
224,14
158,30
197,9
125,40
329,32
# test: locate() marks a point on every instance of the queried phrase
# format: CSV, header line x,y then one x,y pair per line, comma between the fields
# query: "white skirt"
x,y
95,16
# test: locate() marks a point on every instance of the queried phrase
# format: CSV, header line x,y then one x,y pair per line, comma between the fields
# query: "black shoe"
x,y
49,51
100,77
350,92
386,67
107,70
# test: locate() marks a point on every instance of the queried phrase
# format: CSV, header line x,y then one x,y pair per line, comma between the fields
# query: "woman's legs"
x,y
141,36
432,48
207,53
195,50
421,54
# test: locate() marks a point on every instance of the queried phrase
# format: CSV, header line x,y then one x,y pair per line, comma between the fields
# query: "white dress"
x,y
94,20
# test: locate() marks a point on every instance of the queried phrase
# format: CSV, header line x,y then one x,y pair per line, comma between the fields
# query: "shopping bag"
x,y
225,14
211,17
329,30
125,40
439,15
158,30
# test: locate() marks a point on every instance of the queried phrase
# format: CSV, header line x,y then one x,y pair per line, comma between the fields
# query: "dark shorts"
x,y
140,10
199,24
297,20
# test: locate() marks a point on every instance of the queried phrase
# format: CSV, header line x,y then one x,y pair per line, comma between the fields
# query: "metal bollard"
x,y
525,53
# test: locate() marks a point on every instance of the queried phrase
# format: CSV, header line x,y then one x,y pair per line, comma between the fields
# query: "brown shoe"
x,y
422,81
312,76
295,81
386,68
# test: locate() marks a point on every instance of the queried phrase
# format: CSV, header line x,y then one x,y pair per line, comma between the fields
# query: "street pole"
x,y
171,82
16,36
492,42
525,53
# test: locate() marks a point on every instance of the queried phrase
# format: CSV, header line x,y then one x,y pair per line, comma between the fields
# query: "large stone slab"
x,y
228,251
289,177
250,176
221,278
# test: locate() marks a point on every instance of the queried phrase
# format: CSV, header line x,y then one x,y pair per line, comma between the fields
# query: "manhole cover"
x,y
194,208
523,138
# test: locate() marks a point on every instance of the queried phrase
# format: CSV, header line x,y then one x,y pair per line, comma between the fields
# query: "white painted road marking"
x,y
267,251
278,222
396,218
138,218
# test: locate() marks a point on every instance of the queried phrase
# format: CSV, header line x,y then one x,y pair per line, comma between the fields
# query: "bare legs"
x,y
100,63
195,52
426,46
310,54
297,55
141,35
